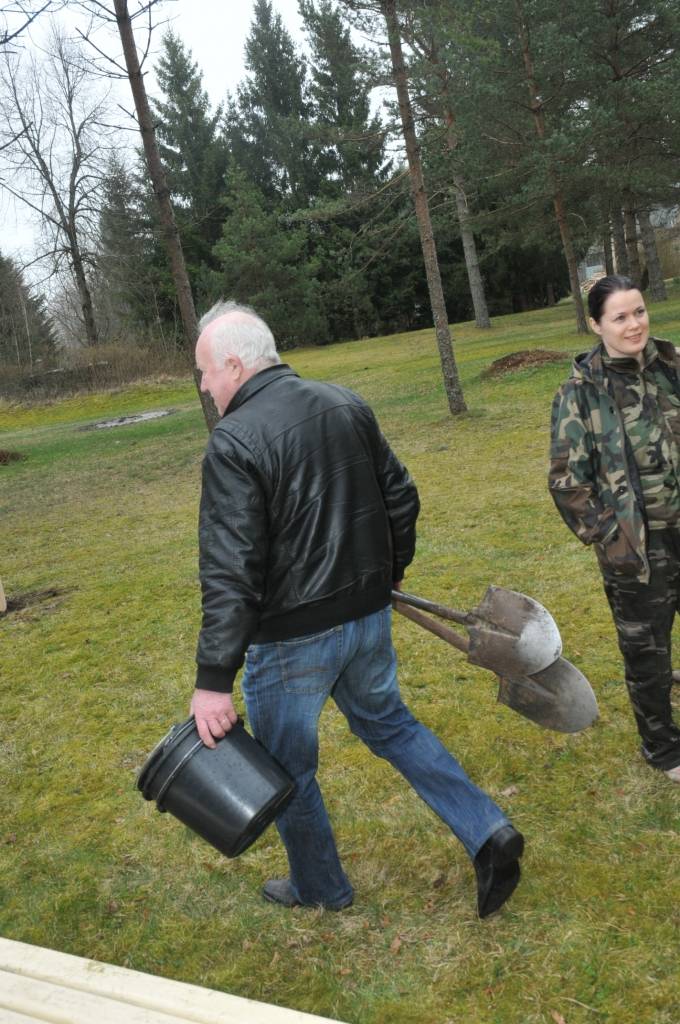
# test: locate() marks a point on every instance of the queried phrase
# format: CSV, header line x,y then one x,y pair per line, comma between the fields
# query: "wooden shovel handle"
x,y
440,610
443,632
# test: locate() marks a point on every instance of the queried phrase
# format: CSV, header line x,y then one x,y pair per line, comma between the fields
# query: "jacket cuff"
x,y
212,677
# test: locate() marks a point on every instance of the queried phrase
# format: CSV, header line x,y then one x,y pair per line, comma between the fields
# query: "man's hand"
x,y
214,713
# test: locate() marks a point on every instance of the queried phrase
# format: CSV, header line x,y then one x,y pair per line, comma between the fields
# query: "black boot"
x,y
497,869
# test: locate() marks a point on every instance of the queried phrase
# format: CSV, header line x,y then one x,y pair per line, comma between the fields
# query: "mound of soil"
x,y
521,360
33,597
6,457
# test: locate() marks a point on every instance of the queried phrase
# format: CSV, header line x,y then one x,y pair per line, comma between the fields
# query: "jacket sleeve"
x,y
572,476
233,548
401,501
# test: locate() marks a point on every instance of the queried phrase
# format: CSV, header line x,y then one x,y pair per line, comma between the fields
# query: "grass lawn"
x,y
93,675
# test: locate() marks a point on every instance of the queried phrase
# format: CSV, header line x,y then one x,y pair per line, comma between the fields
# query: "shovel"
x,y
510,633
559,697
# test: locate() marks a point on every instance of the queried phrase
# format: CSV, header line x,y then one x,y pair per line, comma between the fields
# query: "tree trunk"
x,y
572,264
91,334
162,193
608,252
22,303
632,243
558,197
15,335
657,288
471,260
607,241
452,385
619,239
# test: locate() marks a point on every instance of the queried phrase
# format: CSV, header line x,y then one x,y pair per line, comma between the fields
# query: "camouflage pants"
x,y
643,616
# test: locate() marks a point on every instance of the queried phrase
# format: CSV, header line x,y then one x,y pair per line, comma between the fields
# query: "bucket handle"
x,y
174,773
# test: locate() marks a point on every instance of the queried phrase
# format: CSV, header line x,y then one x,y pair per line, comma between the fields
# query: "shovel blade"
x,y
512,634
558,698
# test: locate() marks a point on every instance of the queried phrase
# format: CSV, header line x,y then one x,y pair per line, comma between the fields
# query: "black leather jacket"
x,y
307,517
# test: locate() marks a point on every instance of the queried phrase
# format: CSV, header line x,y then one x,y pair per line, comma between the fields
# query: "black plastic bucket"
x,y
228,795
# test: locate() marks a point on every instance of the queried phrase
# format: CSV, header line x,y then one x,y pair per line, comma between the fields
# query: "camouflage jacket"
x,y
593,478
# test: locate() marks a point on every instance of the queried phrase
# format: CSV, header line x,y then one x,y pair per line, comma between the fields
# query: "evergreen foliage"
x,y
266,262
352,139
26,336
269,127
126,276
633,89
192,148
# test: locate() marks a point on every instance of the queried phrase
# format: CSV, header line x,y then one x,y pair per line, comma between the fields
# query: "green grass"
x,y
94,675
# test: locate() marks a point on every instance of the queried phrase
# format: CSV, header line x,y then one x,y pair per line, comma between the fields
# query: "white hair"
x,y
245,335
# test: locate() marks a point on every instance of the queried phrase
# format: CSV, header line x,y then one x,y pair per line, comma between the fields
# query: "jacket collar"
x,y
591,366
629,364
257,382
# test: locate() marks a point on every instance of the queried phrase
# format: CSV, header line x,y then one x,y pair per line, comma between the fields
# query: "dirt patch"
x,y
34,597
6,457
521,360
123,421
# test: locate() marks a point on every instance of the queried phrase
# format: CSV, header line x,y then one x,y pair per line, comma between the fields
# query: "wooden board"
x,y
42,985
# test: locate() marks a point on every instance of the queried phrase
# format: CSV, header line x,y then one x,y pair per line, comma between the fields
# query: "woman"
x,y
615,478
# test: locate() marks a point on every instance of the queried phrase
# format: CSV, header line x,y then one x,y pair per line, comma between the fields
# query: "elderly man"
x,y
307,521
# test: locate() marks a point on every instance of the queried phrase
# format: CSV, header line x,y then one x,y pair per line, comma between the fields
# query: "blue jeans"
x,y
285,687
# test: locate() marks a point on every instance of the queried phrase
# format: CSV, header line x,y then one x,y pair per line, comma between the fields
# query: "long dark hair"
x,y
600,292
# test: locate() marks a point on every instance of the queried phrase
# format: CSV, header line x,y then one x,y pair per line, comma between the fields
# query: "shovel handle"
x,y
443,632
440,610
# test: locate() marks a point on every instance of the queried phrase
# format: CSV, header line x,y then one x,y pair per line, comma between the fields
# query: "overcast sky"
x,y
215,31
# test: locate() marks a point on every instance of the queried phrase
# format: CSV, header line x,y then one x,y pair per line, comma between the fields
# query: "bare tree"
x,y
57,139
16,17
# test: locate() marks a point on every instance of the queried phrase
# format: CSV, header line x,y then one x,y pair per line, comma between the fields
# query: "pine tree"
x,y
352,140
265,262
452,384
26,335
633,91
349,218
193,150
268,126
127,285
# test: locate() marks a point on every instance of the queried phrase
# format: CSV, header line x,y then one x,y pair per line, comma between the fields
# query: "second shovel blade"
x,y
559,698
512,634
